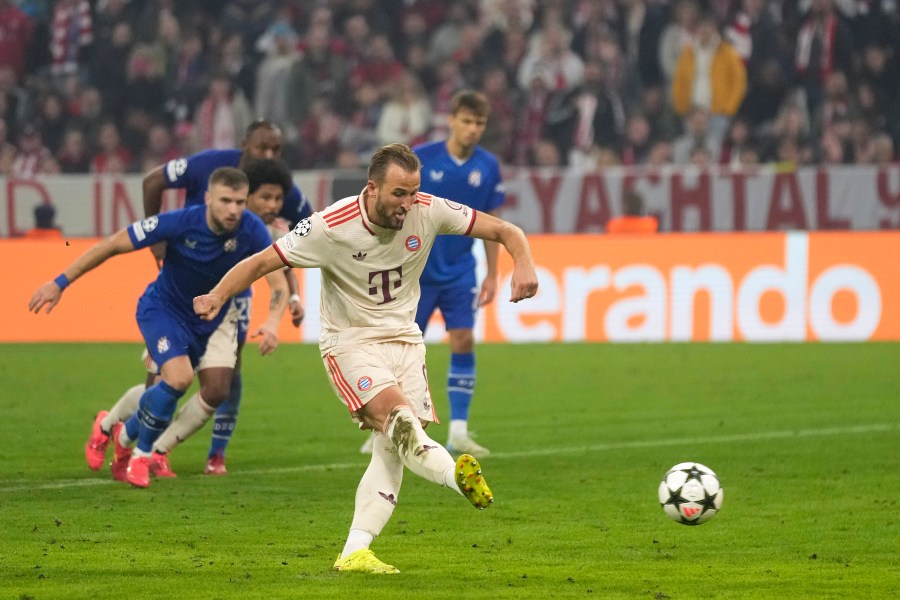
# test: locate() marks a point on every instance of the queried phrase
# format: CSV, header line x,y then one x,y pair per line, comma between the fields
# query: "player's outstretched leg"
x,y
98,442
471,482
364,561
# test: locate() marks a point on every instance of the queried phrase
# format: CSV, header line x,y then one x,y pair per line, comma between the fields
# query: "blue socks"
x,y
461,385
226,417
158,404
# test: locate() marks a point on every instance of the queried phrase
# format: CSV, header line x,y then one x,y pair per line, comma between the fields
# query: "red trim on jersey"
x,y
423,198
344,219
362,207
342,215
472,224
353,401
280,255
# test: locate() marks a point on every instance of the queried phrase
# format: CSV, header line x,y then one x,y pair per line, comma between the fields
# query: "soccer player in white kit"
x,y
371,250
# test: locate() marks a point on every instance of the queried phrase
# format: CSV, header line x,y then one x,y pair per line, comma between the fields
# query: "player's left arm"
x,y
493,229
489,285
278,297
240,277
50,293
295,303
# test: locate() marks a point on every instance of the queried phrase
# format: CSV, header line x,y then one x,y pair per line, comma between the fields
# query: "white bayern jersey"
x,y
370,275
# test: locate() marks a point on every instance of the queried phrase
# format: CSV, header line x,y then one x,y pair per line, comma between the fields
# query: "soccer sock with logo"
x,y
157,407
376,495
226,418
191,418
122,410
460,387
418,452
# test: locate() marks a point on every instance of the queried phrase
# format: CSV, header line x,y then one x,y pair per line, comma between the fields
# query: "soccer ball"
x,y
690,493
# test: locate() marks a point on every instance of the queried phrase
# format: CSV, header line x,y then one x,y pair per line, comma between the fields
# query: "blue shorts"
x,y
166,335
458,303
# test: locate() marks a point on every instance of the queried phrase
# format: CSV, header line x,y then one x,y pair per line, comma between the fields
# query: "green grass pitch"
x,y
805,438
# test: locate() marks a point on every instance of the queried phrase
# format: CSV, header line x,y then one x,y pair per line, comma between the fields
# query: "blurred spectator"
x,y
71,32
45,227
551,59
73,156
89,116
738,139
882,150
660,154
709,74
637,144
532,117
499,134
7,150
223,116
544,153
639,26
359,134
273,80
52,121
824,45
14,105
112,156
16,32
697,135
234,60
677,35
32,156
320,131
109,68
634,218
588,117
378,67
160,148
317,71
406,116
447,37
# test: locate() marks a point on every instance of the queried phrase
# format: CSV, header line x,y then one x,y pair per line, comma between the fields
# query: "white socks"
x,y
190,419
376,495
126,406
458,429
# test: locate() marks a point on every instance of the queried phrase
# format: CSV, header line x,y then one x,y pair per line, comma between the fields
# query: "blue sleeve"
x,y
158,228
194,171
296,206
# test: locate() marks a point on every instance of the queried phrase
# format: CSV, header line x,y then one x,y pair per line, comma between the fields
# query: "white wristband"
x,y
294,298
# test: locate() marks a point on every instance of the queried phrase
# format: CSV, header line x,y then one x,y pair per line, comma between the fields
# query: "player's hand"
x,y
159,253
269,340
524,283
207,306
47,295
488,291
297,312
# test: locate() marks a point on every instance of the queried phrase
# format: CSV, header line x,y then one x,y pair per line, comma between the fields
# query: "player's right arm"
x,y
50,293
154,185
240,277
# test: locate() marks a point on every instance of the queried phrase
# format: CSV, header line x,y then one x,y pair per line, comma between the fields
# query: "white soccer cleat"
x,y
466,445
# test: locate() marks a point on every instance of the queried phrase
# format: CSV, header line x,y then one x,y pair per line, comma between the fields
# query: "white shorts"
x,y
221,347
359,373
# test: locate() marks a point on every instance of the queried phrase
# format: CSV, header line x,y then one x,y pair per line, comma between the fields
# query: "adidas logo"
x,y
359,256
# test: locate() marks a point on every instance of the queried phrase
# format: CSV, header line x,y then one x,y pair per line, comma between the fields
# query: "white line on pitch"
x,y
22,485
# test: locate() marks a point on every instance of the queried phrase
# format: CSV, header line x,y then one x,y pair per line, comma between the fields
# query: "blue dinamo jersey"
x,y
476,183
192,174
196,258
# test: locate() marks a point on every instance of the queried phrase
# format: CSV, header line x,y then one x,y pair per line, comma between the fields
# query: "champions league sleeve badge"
x,y
303,227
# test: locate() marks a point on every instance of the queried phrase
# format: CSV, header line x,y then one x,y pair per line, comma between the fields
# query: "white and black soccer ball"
x,y
690,493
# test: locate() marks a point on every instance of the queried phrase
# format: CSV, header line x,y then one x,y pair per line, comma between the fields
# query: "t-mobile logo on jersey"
x,y
386,283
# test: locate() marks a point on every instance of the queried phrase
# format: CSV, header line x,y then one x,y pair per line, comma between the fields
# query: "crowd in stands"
x,y
116,86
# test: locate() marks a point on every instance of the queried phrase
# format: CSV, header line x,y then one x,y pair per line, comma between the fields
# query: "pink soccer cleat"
x,y
159,465
138,473
215,465
119,464
95,449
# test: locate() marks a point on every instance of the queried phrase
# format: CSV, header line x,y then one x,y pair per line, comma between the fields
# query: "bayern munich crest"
x,y
413,243
364,383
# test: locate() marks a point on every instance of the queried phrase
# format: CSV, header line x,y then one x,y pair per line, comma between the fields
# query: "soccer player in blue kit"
x,y
461,170
203,243
262,140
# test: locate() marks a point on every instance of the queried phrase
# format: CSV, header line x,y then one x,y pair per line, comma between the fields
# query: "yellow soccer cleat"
x,y
471,483
364,561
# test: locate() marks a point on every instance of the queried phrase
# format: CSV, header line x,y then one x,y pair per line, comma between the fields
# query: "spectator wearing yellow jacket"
x,y
711,75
